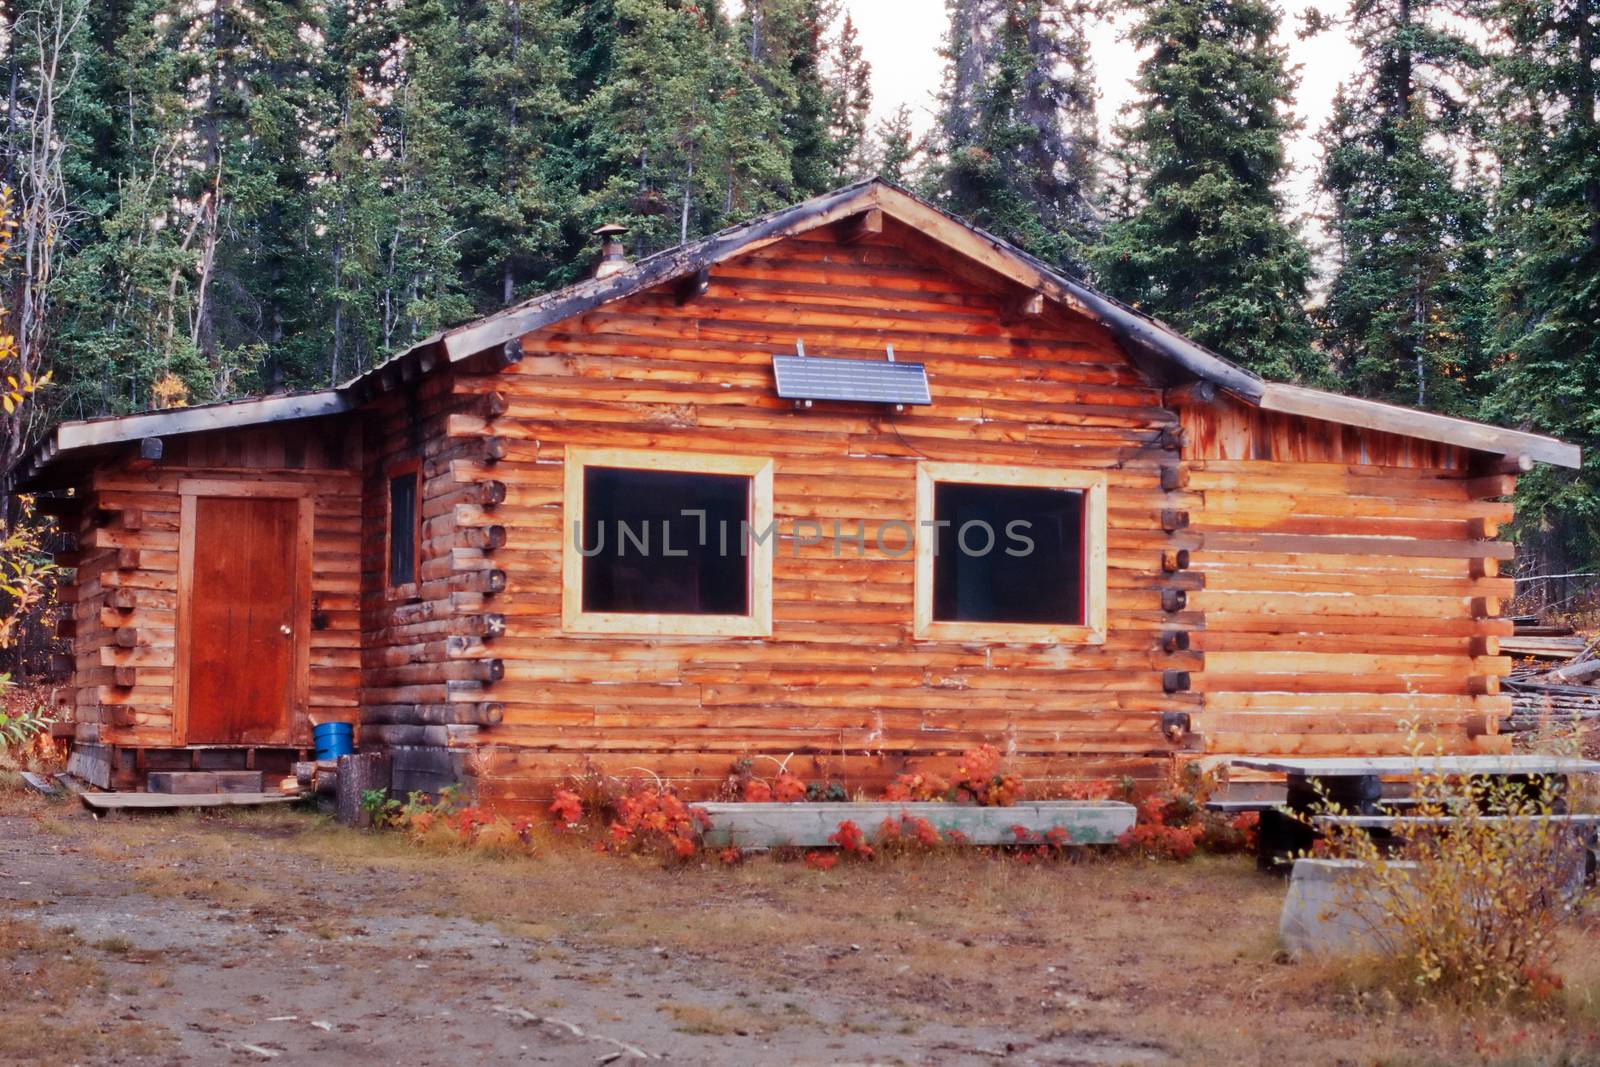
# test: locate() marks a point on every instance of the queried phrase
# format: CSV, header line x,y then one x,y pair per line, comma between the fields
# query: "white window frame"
x,y
1093,486
756,622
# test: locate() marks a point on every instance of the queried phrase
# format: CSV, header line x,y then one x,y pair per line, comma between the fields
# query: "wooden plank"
x,y
174,801
204,782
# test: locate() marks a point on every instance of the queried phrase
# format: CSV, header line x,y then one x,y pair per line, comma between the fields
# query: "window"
x,y
1010,554
665,543
405,519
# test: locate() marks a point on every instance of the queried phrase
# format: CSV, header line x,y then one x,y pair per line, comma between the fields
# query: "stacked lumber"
x,y
1556,686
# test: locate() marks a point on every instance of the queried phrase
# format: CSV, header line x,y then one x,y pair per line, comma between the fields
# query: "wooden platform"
x,y
174,801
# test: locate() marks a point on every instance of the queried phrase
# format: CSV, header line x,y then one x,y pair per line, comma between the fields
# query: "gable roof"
x,y
1160,352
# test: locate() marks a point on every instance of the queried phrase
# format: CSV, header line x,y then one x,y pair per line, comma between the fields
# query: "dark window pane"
x,y
644,555
403,529
1008,580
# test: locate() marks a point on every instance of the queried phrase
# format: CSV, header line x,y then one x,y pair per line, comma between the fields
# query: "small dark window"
x,y
403,529
1008,554
665,542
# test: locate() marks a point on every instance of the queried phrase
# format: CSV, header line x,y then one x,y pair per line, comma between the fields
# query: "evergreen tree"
x,y
1403,316
1016,147
897,149
519,135
1206,247
127,296
679,138
849,107
1548,267
783,44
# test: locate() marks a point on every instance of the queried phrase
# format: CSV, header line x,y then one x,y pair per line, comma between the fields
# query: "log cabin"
x,y
833,420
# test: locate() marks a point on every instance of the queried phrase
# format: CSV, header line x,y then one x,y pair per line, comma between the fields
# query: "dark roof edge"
x,y
122,429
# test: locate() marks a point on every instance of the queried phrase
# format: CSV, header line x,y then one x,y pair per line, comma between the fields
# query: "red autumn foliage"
x,y
851,840
906,834
650,819
757,791
914,787
567,808
980,779
822,861
1160,832
788,789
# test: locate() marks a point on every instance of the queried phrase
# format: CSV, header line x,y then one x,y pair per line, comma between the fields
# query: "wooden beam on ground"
x,y
170,801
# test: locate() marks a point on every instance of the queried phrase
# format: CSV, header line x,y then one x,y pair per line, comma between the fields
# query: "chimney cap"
x,y
610,229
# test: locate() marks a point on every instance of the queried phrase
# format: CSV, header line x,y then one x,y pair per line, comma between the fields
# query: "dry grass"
x,y
52,990
1179,957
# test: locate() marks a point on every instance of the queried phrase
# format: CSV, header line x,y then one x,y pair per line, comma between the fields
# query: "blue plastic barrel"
x,y
334,739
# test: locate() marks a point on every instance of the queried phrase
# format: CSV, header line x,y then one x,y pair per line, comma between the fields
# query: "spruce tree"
x,y
896,149
519,133
1403,314
679,138
1016,147
1206,247
783,45
1547,364
850,104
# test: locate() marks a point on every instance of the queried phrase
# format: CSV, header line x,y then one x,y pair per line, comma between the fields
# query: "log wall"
x,y
1351,587
426,651
124,595
1275,585
841,686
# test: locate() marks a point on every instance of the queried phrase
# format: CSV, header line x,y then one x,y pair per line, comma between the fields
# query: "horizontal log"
x,y
1173,600
483,538
487,582
465,714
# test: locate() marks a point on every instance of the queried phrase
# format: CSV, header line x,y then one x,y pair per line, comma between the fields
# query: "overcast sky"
x,y
901,41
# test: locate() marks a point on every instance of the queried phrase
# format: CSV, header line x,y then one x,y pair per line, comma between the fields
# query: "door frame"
x,y
190,490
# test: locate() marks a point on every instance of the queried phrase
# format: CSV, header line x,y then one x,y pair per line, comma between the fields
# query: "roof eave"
x,y
1407,422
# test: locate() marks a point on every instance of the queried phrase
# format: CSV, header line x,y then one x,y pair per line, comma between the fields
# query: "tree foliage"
x,y
1016,147
1205,245
1405,316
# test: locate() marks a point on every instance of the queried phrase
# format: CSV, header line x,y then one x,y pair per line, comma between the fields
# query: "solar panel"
x,y
865,381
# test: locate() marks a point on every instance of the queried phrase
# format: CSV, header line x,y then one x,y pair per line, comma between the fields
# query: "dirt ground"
x,y
275,936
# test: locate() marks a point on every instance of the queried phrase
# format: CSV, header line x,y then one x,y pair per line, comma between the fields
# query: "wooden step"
x,y
190,782
166,802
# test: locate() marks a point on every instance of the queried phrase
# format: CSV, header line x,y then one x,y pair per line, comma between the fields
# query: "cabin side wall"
x,y
1351,586
841,687
425,658
124,593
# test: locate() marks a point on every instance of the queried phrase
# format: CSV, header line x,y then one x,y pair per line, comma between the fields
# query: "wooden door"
x,y
242,598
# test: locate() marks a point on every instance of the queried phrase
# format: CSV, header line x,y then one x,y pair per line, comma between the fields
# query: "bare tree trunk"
x,y
43,212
